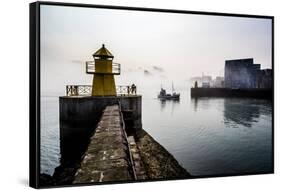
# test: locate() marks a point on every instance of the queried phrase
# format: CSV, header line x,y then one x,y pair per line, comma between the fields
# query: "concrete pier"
x,y
79,116
107,157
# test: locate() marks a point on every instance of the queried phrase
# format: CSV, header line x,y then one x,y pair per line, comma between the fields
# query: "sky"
x,y
153,48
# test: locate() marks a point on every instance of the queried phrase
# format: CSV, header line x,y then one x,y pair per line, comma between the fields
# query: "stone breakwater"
x,y
158,163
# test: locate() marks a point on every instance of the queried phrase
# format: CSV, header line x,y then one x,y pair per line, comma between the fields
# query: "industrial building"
x,y
265,78
243,73
218,82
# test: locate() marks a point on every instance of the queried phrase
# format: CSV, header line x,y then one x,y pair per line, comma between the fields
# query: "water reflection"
x,y
236,111
243,112
172,103
194,102
203,103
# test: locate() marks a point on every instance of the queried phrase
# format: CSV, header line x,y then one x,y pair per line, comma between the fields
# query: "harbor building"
x,y
241,73
265,78
218,82
242,78
206,81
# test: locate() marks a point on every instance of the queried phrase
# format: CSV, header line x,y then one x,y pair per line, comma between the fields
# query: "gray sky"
x,y
171,47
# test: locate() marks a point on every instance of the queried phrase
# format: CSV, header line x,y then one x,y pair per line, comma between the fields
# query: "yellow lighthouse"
x,y
104,70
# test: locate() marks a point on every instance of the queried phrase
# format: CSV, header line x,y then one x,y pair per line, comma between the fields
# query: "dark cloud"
x,y
147,73
154,70
157,68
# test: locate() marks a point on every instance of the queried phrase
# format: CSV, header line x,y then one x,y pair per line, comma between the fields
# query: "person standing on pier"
x,y
134,89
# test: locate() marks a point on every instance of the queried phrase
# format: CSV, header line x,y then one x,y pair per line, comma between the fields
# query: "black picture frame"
x,y
34,81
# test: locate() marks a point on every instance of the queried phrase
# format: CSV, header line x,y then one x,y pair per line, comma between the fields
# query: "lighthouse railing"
x,y
91,68
86,90
78,90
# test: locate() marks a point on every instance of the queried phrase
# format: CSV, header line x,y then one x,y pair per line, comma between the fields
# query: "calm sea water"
x,y
208,136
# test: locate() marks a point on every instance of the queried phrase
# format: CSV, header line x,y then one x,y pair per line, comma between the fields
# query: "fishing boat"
x,y
166,96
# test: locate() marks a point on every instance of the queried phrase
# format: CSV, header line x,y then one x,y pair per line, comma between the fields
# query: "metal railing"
x,y
126,90
78,90
86,90
129,152
91,68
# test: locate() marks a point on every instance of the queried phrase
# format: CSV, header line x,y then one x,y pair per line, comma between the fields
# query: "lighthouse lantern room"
x,y
104,70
